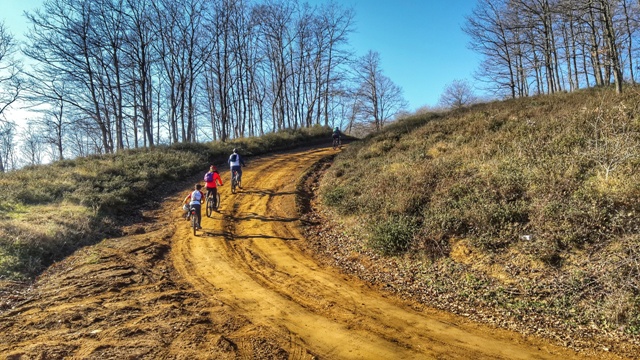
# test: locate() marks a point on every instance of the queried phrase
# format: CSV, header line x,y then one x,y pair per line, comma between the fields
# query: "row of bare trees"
x,y
546,46
107,75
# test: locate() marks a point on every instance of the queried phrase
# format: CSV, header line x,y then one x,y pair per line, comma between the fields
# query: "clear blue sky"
x,y
420,42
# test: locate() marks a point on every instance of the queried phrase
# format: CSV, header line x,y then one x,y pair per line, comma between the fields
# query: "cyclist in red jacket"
x,y
212,179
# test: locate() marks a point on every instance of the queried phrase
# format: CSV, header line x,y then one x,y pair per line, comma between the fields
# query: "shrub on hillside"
x,y
341,198
394,235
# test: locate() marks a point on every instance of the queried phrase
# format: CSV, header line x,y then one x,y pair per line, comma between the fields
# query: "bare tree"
x,y
380,99
630,28
540,27
184,49
108,30
275,19
221,68
10,88
62,41
33,145
48,93
611,41
457,94
554,45
338,24
139,40
491,36
10,68
7,157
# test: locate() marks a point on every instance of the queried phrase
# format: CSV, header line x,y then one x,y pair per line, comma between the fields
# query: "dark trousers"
x,y
213,192
198,208
239,170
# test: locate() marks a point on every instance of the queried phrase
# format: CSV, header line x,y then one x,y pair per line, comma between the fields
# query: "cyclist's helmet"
x,y
235,150
213,168
336,129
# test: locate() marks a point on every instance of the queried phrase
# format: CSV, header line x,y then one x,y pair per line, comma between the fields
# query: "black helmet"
x,y
235,150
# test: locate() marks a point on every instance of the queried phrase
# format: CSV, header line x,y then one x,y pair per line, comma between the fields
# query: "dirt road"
x,y
242,288
249,259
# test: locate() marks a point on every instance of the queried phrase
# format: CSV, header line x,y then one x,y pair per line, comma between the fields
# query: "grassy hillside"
x,y
49,211
529,207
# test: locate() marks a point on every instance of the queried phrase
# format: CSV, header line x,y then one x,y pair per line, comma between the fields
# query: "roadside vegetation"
x,y
527,207
49,211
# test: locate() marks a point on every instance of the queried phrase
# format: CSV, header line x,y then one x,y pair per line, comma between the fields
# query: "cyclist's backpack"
x,y
234,157
208,177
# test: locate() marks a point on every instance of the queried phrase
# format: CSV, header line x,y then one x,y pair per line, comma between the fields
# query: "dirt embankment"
x,y
245,287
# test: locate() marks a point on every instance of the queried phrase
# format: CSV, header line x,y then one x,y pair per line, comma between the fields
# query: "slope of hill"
x,y
522,213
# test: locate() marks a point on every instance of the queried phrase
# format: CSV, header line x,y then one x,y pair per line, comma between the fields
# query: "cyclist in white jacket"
x,y
194,199
235,162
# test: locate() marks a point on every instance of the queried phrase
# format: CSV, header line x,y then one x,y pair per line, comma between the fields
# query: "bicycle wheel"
x,y
210,205
234,183
194,222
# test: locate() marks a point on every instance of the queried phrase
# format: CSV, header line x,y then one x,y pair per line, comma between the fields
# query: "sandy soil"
x,y
244,287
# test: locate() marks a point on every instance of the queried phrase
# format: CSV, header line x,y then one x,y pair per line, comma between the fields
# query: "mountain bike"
x,y
337,143
194,220
235,181
212,203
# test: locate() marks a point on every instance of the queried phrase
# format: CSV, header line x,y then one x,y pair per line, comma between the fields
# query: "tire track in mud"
x,y
248,258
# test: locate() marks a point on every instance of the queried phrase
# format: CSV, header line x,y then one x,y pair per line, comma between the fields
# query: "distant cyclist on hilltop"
x,y
337,135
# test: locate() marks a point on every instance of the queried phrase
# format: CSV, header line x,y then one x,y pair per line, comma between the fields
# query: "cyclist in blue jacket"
x,y
337,134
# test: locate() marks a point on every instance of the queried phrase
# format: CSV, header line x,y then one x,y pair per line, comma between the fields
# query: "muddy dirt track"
x,y
244,287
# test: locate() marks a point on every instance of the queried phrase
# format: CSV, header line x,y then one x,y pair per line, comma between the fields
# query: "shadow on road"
x,y
230,236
